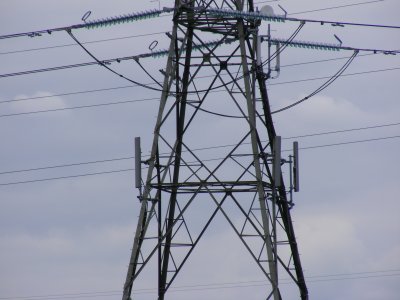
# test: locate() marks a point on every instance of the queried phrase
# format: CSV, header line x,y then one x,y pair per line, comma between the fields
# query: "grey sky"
x,y
74,235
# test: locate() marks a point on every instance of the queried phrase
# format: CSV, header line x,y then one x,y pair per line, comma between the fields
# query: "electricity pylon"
x,y
221,79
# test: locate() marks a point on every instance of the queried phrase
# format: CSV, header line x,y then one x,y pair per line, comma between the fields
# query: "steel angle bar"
x,y
229,154
184,222
211,52
280,223
245,244
206,168
169,162
234,82
288,269
248,219
176,232
235,79
162,238
186,164
231,94
246,169
197,239
197,108
249,212
194,173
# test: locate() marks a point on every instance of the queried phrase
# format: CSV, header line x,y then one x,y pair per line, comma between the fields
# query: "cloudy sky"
x,y
70,236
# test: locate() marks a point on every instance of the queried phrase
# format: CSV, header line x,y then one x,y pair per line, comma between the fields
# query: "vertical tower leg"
x,y
147,208
256,160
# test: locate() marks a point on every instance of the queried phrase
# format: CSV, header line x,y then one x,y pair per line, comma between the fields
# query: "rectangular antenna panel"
x,y
296,166
276,171
259,61
138,160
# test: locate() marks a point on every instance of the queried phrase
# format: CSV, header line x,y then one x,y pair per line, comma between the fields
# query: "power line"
x,y
131,86
96,61
349,142
328,47
104,64
69,93
152,99
322,60
340,131
132,169
354,273
157,33
154,54
165,52
266,1
156,13
159,53
79,107
315,92
203,148
50,69
343,75
69,165
93,24
263,284
323,86
101,63
88,42
335,7
69,176
282,18
206,286
200,149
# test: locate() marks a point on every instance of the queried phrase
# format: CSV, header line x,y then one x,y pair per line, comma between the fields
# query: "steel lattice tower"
x,y
242,182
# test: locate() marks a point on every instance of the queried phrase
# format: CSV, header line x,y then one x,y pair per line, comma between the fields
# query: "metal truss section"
x,y
185,189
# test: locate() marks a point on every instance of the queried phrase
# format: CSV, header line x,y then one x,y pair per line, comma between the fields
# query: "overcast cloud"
x,y
74,235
